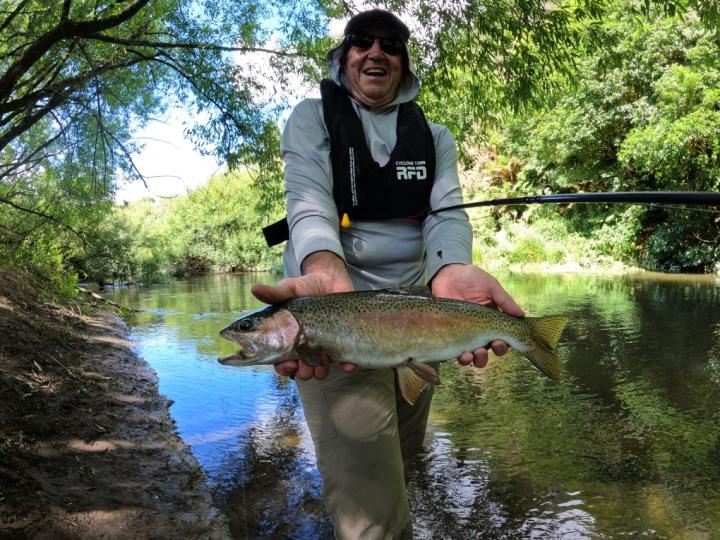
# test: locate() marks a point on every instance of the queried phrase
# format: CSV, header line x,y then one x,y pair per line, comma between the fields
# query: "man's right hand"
x,y
323,272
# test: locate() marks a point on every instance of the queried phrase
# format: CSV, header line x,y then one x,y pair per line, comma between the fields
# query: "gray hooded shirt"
x,y
378,253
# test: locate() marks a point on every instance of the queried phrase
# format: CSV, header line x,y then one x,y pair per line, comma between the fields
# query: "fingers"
x,y
465,358
347,367
499,347
298,369
305,372
479,357
287,368
299,286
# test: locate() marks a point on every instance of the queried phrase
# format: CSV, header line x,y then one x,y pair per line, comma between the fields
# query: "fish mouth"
x,y
231,359
248,350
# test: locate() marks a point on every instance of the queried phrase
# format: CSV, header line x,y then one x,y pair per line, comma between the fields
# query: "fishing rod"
x,y
278,232
702,198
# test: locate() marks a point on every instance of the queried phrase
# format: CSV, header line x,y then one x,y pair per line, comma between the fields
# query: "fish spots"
x,y
405,318
385,328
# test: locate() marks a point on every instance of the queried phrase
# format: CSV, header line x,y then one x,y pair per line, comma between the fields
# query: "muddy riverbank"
x,y
87,447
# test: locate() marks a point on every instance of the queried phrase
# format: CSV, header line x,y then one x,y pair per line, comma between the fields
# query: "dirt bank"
x,y
87,447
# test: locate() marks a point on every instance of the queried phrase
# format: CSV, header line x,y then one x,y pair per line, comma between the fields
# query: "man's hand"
x,y
470,283
323,272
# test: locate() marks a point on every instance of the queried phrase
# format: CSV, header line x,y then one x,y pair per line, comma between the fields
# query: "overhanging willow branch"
x,y
44,216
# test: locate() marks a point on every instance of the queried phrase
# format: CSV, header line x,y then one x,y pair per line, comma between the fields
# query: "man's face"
x,y
373,75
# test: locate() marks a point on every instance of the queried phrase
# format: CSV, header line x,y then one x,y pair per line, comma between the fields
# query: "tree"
x,y
91,71
77,78
481,60
642,114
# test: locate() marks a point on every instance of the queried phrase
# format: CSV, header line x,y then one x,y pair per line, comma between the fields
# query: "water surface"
x,y
627,446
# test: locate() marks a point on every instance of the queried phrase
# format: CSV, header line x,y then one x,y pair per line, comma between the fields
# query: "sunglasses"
x,y
388,45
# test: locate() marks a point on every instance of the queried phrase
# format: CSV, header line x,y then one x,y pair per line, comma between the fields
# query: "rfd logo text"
x,y
411,170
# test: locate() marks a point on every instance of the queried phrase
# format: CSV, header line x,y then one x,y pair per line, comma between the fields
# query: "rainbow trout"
x,y
401,328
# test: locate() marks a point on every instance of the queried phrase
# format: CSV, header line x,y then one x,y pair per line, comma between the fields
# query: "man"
x,y
362,168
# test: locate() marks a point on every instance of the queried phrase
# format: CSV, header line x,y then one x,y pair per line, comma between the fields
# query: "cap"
x,y
377,17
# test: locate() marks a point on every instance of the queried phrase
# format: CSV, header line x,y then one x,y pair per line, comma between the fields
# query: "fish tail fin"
x,y
546,332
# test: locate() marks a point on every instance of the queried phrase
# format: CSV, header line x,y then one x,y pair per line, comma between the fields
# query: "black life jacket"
x,y
361,188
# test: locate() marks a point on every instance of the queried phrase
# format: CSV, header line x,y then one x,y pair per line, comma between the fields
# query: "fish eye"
x,y
246,325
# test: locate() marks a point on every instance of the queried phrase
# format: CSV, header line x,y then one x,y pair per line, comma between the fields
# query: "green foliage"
x,y
129,247
42,257
679,147
481,59
216,227
643,114
77,78
535,237
605,95
616,236
221,223
679,247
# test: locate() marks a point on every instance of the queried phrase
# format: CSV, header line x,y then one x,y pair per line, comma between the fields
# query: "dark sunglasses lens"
x,y
361,41
391,46
388,45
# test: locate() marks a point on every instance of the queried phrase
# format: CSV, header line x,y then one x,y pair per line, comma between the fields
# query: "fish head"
x,y
265,336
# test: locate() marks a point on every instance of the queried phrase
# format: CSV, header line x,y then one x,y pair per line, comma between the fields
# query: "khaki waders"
x,y
361,433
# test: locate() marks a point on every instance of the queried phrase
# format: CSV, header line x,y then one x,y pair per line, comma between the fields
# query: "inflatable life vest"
x,y
363,189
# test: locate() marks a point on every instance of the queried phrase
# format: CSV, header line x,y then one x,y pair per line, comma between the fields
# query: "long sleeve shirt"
x,y
378,253
382,253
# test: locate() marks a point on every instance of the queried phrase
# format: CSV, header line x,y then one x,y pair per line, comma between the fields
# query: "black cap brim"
x,y
378,18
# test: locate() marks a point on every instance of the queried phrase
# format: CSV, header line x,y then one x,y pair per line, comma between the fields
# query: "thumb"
x,y
272,294
506,303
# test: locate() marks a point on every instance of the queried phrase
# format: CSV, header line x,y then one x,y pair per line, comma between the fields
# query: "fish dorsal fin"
x,y
413,378
410,290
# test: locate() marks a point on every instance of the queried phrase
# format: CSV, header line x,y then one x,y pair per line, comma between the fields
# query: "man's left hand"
x,y
470,283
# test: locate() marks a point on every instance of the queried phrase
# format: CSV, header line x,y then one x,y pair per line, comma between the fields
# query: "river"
x,y
628,445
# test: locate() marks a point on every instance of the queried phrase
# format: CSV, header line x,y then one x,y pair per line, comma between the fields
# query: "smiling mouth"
x,y
375,72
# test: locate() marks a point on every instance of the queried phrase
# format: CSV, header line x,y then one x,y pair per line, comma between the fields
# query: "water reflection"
x,y
627,445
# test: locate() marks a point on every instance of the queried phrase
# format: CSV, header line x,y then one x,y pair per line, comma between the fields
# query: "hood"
x,y
407,91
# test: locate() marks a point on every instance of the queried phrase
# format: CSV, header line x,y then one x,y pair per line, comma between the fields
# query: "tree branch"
x,y
63,86
56,97
30,120
65,10
48,75
43,215
13,14
34,157
189,45
64,30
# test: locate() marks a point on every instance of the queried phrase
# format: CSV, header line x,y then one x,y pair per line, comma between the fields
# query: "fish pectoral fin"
x,y
411,386
311,356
